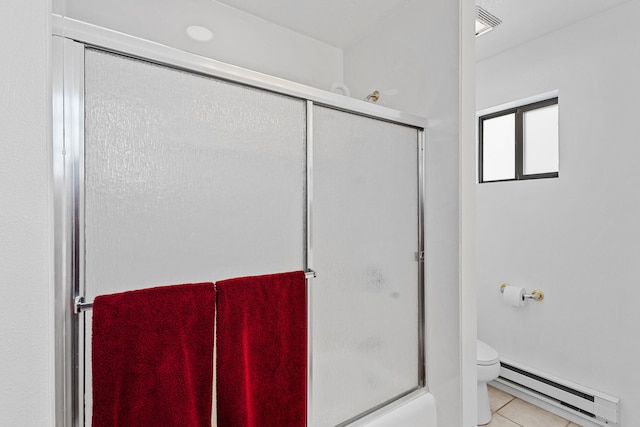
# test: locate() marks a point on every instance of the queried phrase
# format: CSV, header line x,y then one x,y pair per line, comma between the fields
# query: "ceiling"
x,y
524,20
340,23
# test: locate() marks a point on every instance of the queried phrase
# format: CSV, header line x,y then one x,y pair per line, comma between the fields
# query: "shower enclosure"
x,y
170,168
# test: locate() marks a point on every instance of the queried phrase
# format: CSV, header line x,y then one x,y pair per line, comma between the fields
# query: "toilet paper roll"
x,y
514,296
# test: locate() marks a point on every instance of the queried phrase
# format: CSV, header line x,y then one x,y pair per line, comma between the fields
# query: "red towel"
x,y
153,357
261,363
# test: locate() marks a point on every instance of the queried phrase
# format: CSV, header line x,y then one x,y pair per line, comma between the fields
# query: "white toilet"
x,y
488,362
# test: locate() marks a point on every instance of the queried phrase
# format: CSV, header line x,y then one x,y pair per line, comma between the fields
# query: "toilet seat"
x,y
486,355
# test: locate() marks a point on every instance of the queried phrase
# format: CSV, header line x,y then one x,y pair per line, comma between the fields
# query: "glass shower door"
x,y
186,179
366,297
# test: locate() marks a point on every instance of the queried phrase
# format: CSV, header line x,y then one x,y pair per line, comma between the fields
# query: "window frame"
x,y
518,111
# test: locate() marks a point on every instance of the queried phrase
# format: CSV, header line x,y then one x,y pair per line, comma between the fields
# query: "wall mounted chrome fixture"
x,y
535,295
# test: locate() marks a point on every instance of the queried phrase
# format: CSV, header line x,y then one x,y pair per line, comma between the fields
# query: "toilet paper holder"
x,y
535,295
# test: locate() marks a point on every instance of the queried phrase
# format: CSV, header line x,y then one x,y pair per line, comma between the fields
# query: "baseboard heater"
x,y
592,405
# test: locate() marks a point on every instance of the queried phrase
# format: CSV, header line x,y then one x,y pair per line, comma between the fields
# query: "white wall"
x,y
26,322
577,237
468,252
238,38
414,60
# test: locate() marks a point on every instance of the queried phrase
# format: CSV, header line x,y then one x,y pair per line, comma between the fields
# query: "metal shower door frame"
x,y
70,39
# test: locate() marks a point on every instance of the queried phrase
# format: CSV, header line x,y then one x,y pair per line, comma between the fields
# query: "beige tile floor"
x,y
509,411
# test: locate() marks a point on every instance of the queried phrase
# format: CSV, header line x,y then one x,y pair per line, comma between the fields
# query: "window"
x,y
519,143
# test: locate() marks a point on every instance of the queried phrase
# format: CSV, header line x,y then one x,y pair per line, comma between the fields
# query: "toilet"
x,y
488,363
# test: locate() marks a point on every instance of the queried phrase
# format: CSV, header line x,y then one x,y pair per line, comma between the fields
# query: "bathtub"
x,y
415,410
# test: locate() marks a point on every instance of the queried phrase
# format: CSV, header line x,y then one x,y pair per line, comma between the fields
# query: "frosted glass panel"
x,y
365,239
499,148
188,178
540,142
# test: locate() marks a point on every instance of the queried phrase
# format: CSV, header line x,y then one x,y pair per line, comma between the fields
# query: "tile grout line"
x,y
518,424
512,399
507,418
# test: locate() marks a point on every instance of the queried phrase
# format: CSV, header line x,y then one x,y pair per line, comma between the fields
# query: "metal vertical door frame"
x,y
422,346
309,256
68,170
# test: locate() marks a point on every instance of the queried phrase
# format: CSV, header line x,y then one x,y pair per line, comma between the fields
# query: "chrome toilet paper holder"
x,y
535,295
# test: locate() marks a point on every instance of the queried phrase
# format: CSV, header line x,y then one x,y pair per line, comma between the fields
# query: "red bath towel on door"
x,y
261,362
152,357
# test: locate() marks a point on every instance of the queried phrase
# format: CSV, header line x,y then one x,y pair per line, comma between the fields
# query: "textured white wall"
x,y
414,60
26,367
576,237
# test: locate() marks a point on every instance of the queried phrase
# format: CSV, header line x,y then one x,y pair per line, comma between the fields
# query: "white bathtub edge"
x,y
417,409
